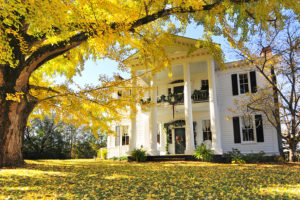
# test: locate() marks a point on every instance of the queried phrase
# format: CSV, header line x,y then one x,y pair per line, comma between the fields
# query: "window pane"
x,y
125,136
206,130
204,84
244,88
247,128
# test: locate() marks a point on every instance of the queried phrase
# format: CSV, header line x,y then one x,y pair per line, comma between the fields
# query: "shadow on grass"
x,y
79,179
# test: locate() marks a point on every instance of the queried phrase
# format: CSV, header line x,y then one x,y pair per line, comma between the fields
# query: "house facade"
x,y
193,108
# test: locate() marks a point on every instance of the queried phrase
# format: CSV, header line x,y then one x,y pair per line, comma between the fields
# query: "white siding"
x,y
226,101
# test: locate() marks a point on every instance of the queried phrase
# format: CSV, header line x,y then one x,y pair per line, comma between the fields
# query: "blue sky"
x,y
109,67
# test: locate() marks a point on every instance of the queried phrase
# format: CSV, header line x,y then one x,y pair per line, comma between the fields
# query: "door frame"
x,y
184,142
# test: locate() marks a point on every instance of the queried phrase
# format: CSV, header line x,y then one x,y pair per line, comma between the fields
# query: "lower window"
x,y
125,136
247,129
206,130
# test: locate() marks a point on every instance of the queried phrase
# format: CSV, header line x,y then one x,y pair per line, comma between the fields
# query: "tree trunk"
x,y
277,112
13,121
292,152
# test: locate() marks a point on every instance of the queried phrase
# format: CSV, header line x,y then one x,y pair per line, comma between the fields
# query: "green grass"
x,y
90,179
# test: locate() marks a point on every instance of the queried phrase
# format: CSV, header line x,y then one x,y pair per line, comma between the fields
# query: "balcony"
x,y
198,96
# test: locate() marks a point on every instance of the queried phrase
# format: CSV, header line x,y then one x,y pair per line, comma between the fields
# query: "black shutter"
x,y
253,82
236,129
234,81
259,128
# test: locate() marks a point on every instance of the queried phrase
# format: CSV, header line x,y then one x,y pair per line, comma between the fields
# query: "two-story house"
x,y
193,108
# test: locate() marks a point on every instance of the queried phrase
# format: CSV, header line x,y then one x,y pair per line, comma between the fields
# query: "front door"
x,y
179,140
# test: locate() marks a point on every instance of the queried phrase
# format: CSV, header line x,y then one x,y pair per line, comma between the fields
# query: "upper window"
x,y
247,129
204,84
242,83
119,94
244,86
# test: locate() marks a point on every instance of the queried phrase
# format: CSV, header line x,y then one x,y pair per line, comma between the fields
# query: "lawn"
x,y
90,179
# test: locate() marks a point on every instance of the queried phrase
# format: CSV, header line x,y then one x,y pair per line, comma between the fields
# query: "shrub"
x,y
115,158
139,155
124,158
234,156
238,160
203,153
254,157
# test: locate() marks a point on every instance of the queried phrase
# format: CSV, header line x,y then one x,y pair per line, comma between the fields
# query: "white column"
x,y
153,119
132,138
214,111
162,140
189,132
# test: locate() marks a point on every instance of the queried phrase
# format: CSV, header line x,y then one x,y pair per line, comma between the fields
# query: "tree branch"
x,y
46,53
36,87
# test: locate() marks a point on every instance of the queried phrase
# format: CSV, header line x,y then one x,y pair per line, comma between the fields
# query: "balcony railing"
x,y
197,97
200,96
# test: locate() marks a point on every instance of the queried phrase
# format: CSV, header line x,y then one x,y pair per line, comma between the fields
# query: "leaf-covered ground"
x,y
90,179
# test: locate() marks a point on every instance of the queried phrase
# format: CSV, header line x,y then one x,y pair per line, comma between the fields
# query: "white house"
x,y
192,108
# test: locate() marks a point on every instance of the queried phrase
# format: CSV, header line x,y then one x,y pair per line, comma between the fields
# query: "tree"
x,y
43,39
44,140
47,139
278,63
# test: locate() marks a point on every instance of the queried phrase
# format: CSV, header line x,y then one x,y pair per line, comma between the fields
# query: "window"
x,y
244,86
241,83
206,130
178,90
117,139
178,94
204,84
247,128
125,136
119,94
158,138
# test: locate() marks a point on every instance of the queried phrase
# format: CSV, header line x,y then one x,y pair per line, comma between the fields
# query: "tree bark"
x,y
277,111
13,121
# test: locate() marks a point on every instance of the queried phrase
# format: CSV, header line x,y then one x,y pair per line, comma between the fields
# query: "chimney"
x,y
266,51
118,78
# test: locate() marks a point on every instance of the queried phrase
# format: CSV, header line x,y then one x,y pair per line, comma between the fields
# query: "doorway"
x,y
179,140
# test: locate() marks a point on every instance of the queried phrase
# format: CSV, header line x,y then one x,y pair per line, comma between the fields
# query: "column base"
x,y
153,153
218,151
189,152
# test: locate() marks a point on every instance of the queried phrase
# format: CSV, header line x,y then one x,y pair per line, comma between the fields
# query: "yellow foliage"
x,y
116,29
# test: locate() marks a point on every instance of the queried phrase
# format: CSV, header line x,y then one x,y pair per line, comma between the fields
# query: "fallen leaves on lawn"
x,y
92,179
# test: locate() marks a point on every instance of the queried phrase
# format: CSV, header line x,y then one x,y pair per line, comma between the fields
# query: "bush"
x,y
235,157
124,158
114,158
203,153
139,155
254,157
102,154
